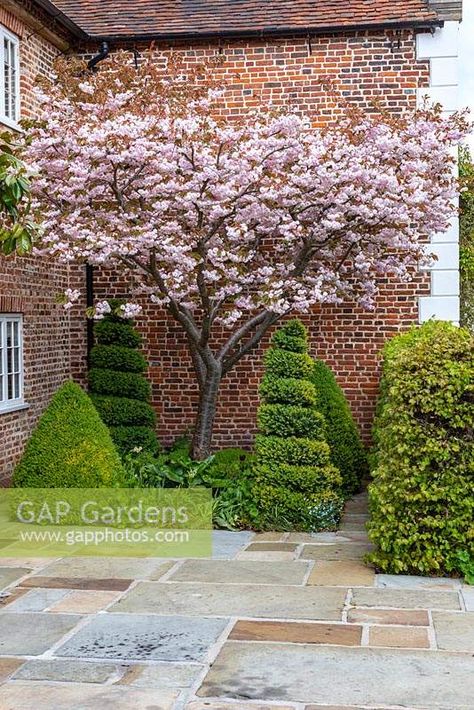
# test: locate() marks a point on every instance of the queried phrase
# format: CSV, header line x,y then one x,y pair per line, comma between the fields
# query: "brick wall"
x,y
29,286
362,67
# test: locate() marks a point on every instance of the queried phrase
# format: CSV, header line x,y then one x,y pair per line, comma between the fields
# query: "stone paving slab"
x,y
192,599
406,599
138,637
353,551
399,637
19,695
225,705
37,600
226,544
84,602
398,617
162,675
454,632
345,573
8,575
468,596
240,571
31,634
8,597
405,581
67,671
118,585
321,674
294,632
268,556
271,547
8,666
106,567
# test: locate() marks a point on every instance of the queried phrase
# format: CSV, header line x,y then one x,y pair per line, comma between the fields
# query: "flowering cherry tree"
x,y
230,224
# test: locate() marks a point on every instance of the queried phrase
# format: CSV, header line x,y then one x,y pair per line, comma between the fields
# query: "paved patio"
x,y
271,622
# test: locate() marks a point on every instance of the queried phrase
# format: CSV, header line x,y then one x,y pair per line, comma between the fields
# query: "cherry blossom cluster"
x,y
227,217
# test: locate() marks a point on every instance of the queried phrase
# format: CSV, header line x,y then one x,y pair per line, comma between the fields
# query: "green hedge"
x,y
421,498
347,451
119,411
119,384
117,357
70,447
119,388
295,485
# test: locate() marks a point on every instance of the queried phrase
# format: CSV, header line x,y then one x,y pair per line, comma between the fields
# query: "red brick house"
x,y
392,50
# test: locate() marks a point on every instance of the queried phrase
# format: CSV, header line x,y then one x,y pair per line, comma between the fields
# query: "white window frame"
x,y
7,405
7,120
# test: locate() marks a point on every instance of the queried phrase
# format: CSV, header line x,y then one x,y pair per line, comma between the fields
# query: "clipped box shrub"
x,y
119,388
296,486
70,448
422,495
347,450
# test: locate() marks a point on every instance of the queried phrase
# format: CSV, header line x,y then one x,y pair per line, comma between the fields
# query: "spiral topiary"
x,y
296,486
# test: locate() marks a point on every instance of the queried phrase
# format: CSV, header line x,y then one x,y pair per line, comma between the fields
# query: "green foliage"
x,y
421,499
119,389
119,384
70,447
113,332
284,363
466,172
117,357
229,463
465,565
18,230
347,451
288,390
296,486
289,420
119,411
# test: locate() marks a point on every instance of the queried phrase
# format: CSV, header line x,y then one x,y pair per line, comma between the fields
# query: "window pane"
x,y
11,364
16,381
9,77
10,387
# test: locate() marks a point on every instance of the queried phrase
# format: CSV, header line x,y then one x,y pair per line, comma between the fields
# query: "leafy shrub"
x,y
117,357
119,384
70,447
119,411
421,498
229,463
347,451
296,485
119,389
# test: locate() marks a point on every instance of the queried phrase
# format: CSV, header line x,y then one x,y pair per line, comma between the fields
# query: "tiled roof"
x,y
175,18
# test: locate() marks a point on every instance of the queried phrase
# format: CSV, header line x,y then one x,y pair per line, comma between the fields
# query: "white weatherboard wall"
x,y
441,48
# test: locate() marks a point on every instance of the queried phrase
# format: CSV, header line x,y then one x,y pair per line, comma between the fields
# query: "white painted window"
x,y
11,362
9,78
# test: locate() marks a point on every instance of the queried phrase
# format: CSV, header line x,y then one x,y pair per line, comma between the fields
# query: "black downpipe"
x,y
91,65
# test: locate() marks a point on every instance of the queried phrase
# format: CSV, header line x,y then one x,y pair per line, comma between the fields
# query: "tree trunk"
x,y
208,395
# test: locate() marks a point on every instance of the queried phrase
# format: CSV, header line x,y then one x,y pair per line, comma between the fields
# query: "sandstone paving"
x,y
110,584
193,599
339,551
140,637
406,598
346,573
8,575
31,634
399,636
405,581
106,567
226,544
8,666
266,556
162,675
241,571
271,547
9,596
84,601
454,632
37,600
297,632
67,671
226,705
18,695
397,617
345,676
